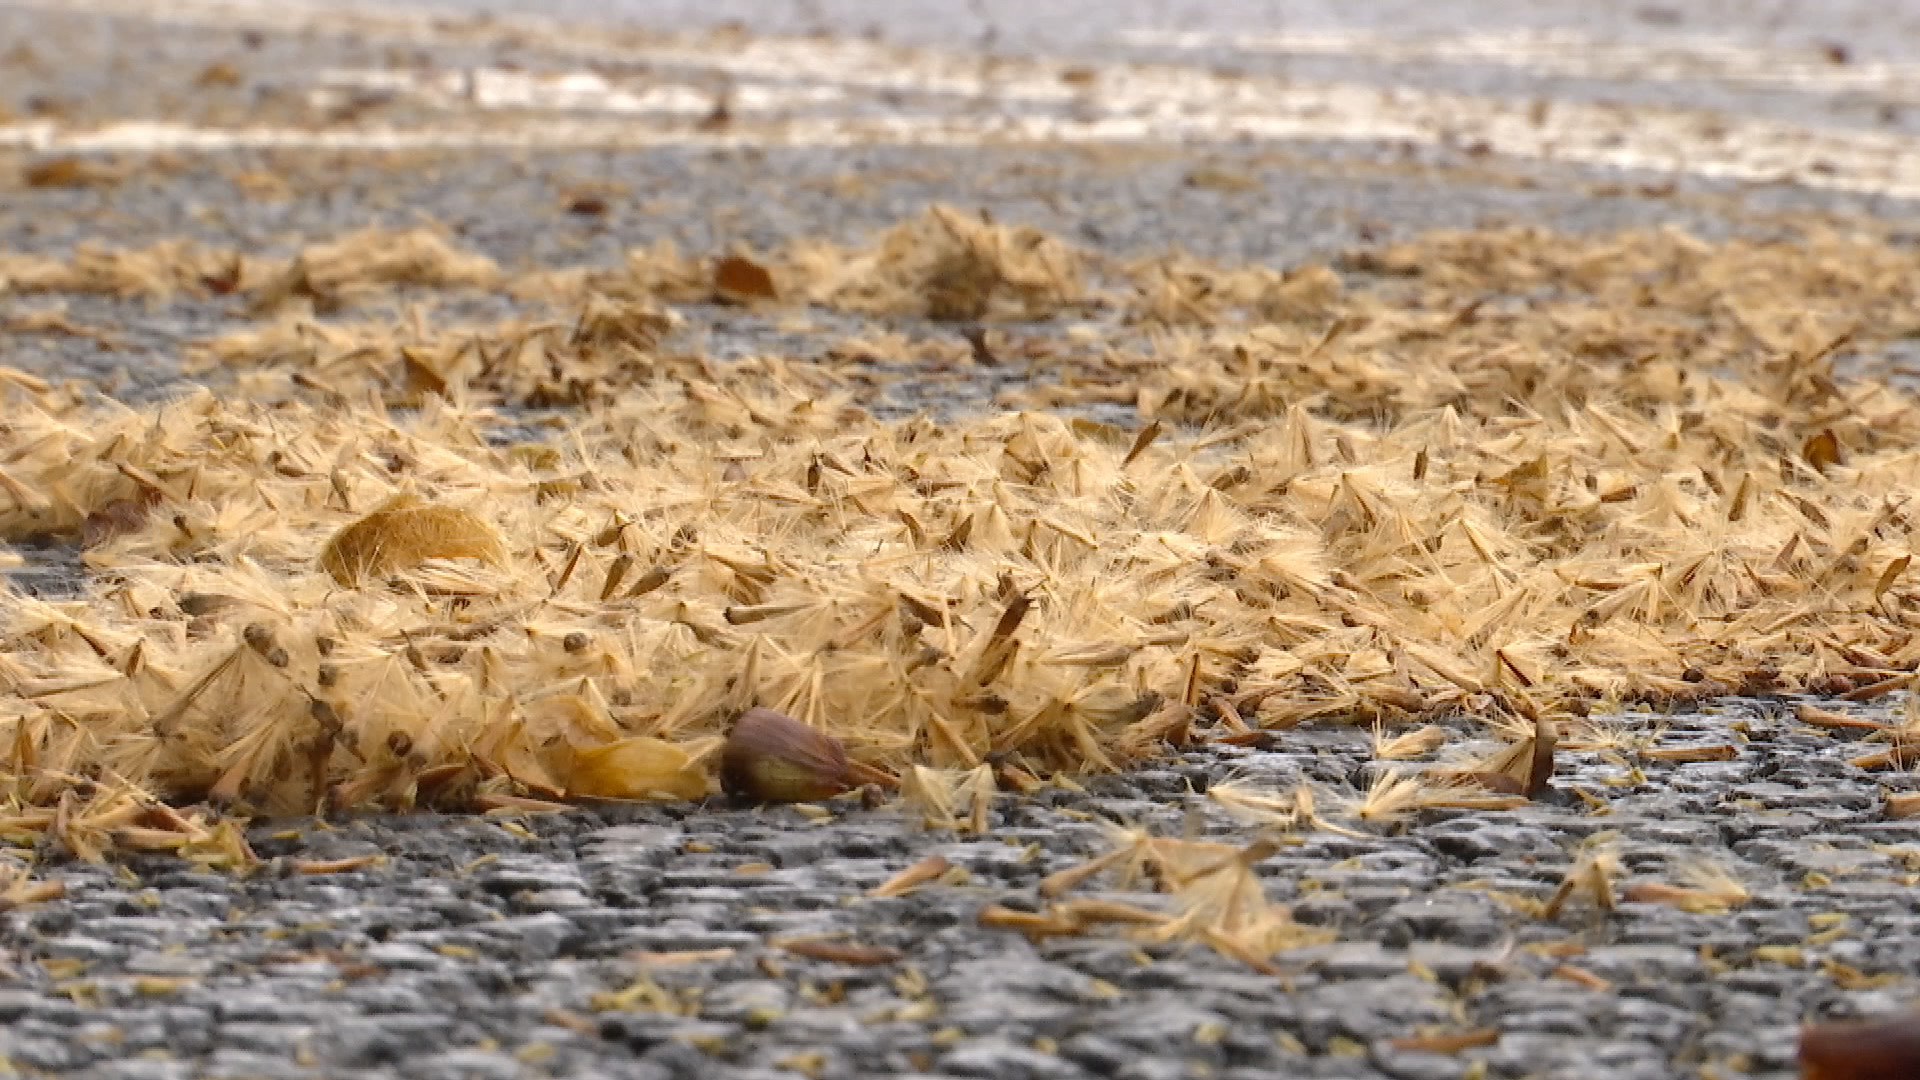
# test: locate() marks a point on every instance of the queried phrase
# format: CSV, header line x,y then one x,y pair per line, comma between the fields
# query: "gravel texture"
x,y
644,941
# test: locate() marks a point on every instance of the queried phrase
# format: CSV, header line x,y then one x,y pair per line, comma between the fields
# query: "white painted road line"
x,y
839,92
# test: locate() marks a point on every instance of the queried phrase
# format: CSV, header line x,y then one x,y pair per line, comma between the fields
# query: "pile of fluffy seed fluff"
x,y
1508,476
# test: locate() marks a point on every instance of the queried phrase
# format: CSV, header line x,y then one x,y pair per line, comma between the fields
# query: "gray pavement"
x,y
648,941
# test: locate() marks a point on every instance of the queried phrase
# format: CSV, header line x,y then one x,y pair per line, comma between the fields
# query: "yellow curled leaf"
x,y
636,768
405,532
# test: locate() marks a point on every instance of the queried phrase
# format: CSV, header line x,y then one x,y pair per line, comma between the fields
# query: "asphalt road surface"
x,y
646,941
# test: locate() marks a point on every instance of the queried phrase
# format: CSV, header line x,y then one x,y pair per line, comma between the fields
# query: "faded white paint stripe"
x,y
1667,58
806,92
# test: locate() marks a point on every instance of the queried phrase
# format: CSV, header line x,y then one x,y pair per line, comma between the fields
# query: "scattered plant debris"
x,y
70,172
842,952
1218,898
928,869
333,274
1510,476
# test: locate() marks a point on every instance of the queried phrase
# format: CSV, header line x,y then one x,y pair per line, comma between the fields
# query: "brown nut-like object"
x,y
1883,1048
771,757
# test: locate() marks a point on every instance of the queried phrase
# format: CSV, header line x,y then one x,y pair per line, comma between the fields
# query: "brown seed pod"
x,y
1883,1048
1540,768
117,518
738,280
771,757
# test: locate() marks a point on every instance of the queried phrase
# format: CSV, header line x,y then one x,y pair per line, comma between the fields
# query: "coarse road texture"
x,y
650,941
